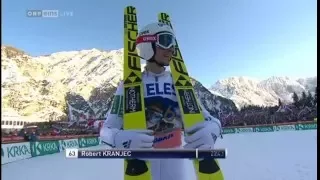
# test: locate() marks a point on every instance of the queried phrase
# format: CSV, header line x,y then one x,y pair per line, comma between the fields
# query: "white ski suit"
x,y
162,111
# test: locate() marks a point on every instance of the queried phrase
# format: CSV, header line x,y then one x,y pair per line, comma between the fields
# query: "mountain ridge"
x,y
249,91
80,83
41,86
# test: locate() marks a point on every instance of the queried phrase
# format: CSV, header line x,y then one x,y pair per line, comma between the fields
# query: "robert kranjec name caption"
x,y
148,154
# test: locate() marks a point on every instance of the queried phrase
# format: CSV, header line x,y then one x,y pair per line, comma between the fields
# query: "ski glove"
x,y
133,139
203,135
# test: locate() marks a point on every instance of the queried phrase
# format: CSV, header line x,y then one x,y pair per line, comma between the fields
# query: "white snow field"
x,y
287,155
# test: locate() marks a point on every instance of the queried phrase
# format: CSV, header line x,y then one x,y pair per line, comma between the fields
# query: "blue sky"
x,y
218,38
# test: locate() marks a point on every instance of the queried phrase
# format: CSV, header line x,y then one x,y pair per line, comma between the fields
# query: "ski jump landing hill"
x,y
280,152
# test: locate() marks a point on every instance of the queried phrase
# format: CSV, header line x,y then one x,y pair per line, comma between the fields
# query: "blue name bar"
x,y
153,154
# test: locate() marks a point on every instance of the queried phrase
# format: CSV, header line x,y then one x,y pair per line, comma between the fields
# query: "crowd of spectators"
x,y
304,109
50,129
271,115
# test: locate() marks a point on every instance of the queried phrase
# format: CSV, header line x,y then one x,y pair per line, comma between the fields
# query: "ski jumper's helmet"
x,y
152,35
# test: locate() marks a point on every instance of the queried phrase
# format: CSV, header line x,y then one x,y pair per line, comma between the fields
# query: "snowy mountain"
x,y
81,82
248,91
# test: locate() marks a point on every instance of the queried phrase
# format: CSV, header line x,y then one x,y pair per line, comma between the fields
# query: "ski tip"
x,y
132,8
163,14
164,17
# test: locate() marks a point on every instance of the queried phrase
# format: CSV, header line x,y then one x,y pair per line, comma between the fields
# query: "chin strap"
x,y
157,63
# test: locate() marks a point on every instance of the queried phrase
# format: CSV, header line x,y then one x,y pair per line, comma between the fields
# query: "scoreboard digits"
x,y
147,154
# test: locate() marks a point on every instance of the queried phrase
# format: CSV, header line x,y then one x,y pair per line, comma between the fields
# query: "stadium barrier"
x,y
300,126
15,151
11,152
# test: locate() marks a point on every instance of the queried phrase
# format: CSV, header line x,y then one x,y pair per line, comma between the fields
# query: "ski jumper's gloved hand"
x,y
203,135
133,139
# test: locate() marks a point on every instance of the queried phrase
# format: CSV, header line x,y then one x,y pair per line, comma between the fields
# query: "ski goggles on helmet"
x,y
164,40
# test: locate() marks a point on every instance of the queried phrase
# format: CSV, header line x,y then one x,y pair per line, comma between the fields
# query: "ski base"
x,y
137,170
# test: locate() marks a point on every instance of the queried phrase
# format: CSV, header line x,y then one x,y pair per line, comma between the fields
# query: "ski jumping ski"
x,y
133,100
190,110
133,105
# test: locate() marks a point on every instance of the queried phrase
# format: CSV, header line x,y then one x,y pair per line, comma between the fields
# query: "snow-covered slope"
x,y
39,87
251,156
245,90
